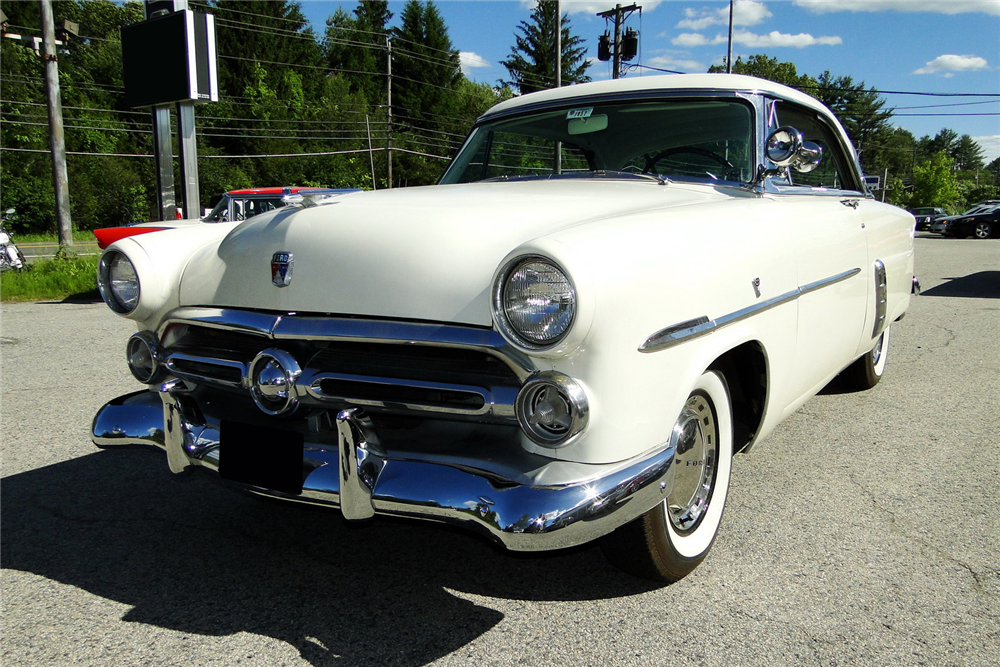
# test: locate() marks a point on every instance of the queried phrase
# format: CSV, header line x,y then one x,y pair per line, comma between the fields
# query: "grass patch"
x,y
78,237
53,280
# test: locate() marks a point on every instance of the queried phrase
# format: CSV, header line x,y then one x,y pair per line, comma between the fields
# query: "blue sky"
x,y
929,46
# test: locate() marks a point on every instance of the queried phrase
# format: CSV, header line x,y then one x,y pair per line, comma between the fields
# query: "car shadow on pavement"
x,y
982,285
198,557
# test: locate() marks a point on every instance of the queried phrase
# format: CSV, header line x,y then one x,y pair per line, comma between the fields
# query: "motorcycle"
x,y
10,255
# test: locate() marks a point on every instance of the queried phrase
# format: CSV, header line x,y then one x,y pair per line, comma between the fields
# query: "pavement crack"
x,y
978,578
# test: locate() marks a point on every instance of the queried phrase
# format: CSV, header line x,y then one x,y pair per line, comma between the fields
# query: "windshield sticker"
x,y
580,113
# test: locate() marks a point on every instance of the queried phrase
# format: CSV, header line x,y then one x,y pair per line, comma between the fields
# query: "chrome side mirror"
x,y
785,148
808,157
783,145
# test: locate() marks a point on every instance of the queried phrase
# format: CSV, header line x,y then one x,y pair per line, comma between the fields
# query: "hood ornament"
x,y
281,268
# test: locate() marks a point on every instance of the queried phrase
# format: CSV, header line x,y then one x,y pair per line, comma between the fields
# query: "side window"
x,y
833,171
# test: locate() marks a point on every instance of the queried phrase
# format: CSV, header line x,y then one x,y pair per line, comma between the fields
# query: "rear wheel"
x,y
867,371
670,540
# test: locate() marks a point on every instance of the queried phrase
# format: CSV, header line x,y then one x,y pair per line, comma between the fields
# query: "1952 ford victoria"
x,y
615,287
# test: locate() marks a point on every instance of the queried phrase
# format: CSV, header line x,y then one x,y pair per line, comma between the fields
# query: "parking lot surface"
x,y
864,531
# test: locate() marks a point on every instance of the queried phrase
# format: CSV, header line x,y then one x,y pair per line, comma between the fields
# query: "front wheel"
x,y
983,230
670,540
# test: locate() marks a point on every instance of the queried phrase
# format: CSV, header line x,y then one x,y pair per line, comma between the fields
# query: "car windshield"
x,y
702,140
220,213
242,208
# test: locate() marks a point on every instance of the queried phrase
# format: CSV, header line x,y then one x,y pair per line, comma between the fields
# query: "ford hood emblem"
x,y
281,269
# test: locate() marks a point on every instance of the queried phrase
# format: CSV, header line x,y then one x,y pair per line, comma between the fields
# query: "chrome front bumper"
x,y
352,472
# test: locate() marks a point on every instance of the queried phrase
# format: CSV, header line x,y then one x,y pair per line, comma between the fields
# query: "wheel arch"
x,y
746,372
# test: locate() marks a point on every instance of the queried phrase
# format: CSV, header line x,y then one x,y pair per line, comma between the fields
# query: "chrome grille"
x,y
468,382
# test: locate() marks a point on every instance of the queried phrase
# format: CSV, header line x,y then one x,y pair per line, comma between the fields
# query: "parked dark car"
x,y
981,225
925,216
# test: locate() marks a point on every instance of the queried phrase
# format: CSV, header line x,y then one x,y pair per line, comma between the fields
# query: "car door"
x,y
831,243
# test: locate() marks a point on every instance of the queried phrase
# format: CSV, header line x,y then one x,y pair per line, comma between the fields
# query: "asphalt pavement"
x,y
864,531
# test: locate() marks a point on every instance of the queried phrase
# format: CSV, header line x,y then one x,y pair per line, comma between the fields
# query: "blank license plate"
x,y
262,456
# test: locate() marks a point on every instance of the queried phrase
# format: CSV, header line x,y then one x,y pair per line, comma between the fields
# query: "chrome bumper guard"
x,y
359,478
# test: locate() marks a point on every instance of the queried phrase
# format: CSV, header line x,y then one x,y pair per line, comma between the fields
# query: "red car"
x,y
232,206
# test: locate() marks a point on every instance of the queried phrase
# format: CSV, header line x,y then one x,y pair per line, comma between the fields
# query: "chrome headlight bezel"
x,y
564,319
552,428
110,286
142,352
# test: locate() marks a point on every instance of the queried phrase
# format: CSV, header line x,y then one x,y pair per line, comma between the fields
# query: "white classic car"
x,y
615,287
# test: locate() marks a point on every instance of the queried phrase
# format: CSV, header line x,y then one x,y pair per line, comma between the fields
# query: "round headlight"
x,y
118,282
535,302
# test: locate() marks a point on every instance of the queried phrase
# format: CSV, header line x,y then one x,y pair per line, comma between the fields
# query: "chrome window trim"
x,y
702,326
641,95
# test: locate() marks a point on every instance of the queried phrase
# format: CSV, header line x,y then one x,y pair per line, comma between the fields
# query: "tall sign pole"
x,y
57,138
170,59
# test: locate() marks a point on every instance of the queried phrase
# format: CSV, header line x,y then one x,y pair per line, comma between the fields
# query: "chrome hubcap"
x,y
877,350
695,441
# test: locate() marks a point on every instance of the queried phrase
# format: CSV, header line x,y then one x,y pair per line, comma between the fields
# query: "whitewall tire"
x,y
670,540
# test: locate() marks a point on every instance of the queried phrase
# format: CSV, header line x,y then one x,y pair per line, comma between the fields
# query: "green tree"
x,y
861,112
357,48
426,76
968,154
532,63
763,67
935,184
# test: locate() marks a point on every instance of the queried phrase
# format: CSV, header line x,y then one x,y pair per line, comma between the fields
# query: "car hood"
x,y
427,253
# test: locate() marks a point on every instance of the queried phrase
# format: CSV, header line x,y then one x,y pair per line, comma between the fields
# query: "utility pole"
x,y
57,139
729,58
558,148
388,112
618,16
558,45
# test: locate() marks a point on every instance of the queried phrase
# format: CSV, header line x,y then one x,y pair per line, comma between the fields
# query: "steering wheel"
x,y
651,161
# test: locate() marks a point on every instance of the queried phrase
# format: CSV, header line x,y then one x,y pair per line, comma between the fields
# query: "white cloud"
x,y
745,12
949,64
689,39
776,39
591,7
753,40
990,145
935,6
677,64
470,61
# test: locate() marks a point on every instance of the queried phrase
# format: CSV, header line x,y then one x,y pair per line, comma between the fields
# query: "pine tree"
x,y
356,48
532,63
426,69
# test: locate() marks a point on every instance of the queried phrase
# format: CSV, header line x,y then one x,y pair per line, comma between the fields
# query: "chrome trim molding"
x,y
702,326
881,299
348,469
